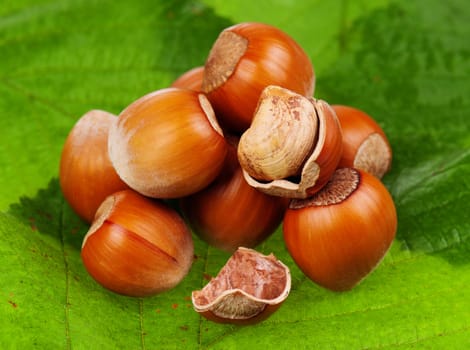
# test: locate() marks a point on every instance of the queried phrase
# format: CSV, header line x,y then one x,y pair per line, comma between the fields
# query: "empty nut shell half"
x,y
248,289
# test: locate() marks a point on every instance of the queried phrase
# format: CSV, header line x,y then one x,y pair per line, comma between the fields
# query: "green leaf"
x,y
406,63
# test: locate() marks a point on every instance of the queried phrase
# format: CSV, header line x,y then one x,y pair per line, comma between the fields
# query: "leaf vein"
x,y
67,278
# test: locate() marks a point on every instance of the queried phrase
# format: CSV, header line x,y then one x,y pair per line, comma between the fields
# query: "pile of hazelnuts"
x,y
242,146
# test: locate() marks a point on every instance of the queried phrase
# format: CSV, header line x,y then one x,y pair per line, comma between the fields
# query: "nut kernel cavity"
x,y
245,286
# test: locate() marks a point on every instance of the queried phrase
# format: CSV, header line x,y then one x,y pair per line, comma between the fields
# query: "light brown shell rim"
x,y
374,155
102,213
223,59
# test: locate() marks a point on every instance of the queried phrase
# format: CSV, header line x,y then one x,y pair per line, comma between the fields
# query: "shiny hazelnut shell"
x,y
245,59
137,246
86,174
167,144
229,213
191,79
339,235
365,145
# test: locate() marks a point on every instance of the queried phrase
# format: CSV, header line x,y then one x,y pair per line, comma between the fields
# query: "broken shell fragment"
x,y
300,157
248,289
281,137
